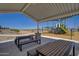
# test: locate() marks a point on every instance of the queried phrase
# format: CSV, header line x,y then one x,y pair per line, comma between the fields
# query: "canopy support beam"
x,y
25,7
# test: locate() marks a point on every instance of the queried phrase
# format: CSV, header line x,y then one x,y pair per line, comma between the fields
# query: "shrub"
x,y
16,30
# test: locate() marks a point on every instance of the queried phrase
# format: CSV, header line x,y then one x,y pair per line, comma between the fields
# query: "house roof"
x,y
42,11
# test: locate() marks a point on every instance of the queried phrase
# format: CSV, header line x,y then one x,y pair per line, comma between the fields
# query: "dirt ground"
x,y
2,38
75,35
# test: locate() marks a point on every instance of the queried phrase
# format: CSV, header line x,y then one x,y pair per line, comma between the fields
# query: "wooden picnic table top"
x,y
24,37
58,48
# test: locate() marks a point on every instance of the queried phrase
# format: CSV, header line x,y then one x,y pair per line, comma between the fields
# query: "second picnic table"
x,y
58,48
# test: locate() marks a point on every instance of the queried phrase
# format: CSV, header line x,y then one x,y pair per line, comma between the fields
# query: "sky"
x,y
21,21
16,20
71,22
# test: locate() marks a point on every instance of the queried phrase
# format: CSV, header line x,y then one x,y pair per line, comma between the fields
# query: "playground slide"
x,y
64,29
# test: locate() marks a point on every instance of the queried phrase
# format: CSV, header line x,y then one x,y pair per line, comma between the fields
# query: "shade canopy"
x,y
42,11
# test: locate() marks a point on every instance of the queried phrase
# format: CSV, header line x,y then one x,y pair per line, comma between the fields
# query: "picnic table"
x,y
58,48
22,40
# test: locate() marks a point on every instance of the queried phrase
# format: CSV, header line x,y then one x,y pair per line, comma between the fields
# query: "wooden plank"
x,y
53,52
61,49
64,50
54,48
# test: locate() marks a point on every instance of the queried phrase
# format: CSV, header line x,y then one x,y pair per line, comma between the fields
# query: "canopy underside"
x,y
42,11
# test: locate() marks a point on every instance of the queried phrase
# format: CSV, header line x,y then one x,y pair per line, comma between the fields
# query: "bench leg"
x,y
73,50
27,53
20,47
39,41
37,53
15,41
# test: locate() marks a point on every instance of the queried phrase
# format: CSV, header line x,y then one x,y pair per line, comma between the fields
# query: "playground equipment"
x,y
59,29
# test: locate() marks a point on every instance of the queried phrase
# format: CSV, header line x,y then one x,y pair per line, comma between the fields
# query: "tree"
x,y
0,27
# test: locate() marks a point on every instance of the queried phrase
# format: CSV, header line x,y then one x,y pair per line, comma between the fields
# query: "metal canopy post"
x,y
37,27
73,44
